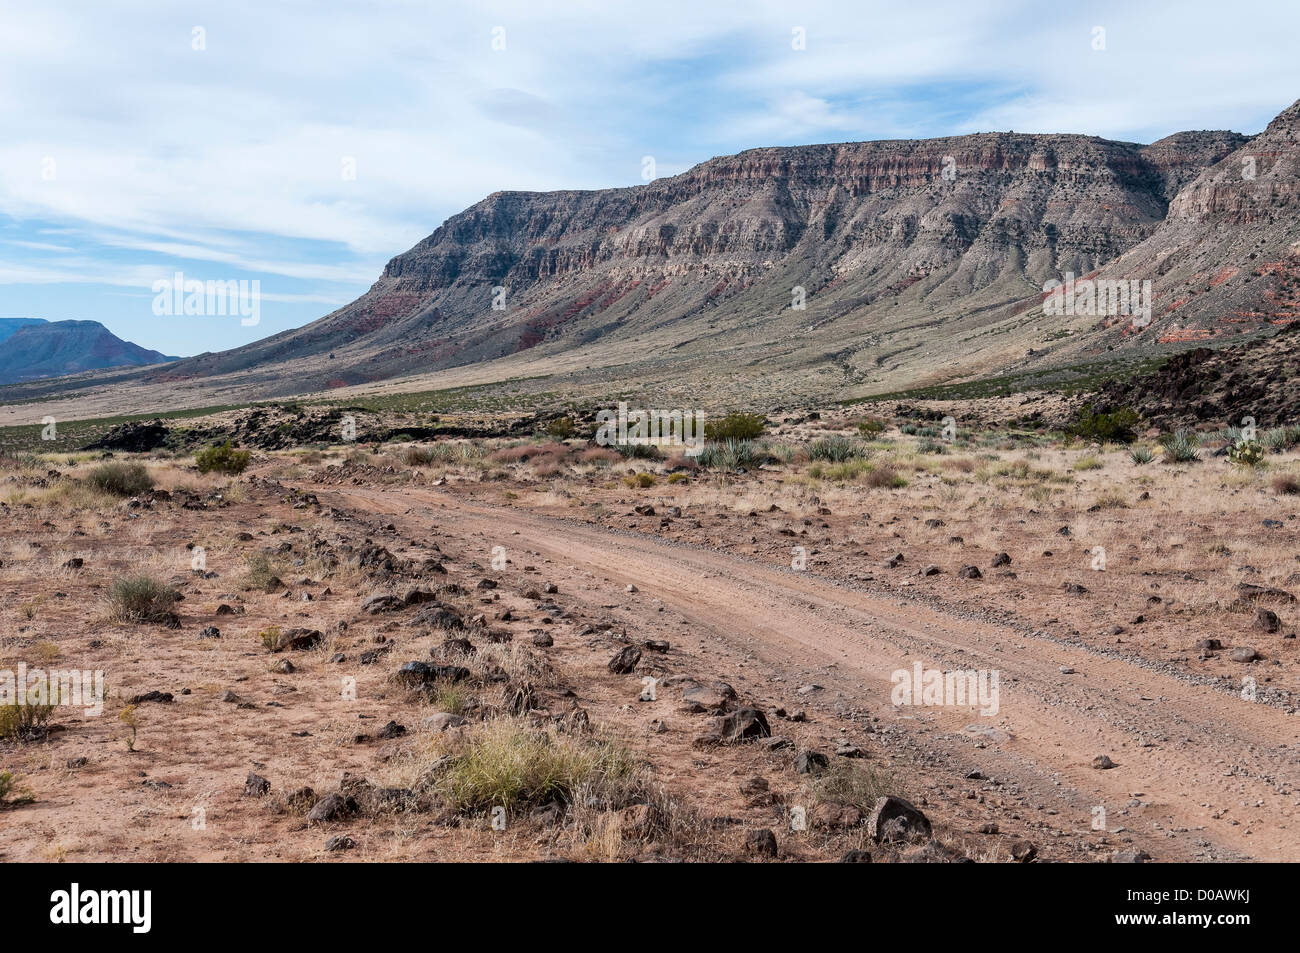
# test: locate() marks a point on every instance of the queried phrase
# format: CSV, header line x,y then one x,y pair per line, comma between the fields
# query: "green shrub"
x,y
870,427
263,574
641,480
140,599
121,478
561,428
1141,456
27,721
735,427
1115,426
638,451
222,458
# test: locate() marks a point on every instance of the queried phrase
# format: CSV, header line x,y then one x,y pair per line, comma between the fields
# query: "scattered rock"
x,y
1266,620
895,820
332,807
760,843
810,762
625,661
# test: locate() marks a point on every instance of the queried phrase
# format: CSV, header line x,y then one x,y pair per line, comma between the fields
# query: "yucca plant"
x,y
1181,446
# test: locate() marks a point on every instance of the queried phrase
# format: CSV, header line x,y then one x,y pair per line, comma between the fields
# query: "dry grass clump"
x,y
555,453
12,794
599,456
508,763
120,478
140,598
1286,484
844,782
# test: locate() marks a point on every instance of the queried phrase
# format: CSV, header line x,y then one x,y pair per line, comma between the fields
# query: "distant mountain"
x,y
31,349
8,326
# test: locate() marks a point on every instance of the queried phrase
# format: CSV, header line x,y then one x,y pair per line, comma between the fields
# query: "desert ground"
x,y
543,649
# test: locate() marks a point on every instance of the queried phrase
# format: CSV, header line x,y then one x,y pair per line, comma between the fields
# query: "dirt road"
x,y
1199,773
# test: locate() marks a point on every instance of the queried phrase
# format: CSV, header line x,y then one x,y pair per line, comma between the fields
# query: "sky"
x,y
304,144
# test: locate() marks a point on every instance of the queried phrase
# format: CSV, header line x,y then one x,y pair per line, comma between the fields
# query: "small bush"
x,y
270,638
420,456
638,451
641,480
262,574
1115,426
848,783
1090,462
885,477
11,795
599,456
121,478
140,599
561,428
735,427
678,478
27,721
222,458
1141,456
870,427
1286,484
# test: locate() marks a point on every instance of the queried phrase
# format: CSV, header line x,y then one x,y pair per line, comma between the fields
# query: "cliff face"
x,y
851,224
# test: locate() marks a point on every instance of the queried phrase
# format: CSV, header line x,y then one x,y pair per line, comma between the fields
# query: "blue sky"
x,y
146,137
